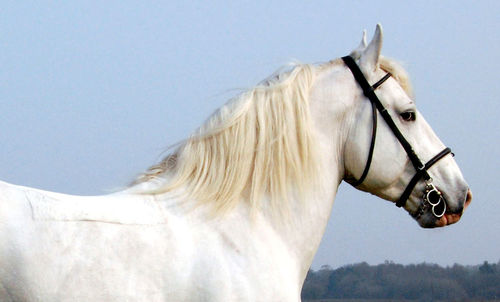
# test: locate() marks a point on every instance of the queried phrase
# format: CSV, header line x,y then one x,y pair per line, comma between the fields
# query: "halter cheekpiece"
x,y
432,197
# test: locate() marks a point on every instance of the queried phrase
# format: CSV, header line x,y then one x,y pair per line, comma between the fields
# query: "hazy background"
x,y
92,92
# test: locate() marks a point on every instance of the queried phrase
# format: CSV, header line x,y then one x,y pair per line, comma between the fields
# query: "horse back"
x,y
57,247
14,213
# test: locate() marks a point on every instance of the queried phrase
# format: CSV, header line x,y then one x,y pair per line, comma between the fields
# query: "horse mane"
x,y
258,146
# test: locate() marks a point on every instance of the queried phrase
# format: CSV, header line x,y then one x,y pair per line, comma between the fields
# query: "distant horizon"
x,y
394,282
326,266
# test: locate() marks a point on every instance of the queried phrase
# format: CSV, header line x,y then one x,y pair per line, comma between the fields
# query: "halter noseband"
x,y
432,196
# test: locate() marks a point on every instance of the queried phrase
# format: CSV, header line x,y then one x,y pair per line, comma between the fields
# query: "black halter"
x,y
432,196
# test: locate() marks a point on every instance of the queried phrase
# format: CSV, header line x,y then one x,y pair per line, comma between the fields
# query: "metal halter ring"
x,y
435,198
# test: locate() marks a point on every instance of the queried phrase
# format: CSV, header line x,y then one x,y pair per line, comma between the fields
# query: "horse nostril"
x,y
468,199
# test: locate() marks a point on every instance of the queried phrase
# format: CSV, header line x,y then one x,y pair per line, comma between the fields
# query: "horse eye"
x,y
408,116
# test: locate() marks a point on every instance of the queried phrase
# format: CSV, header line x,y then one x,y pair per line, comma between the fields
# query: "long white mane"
x,y
258,145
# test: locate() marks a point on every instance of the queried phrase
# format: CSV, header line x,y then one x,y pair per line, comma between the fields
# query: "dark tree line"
x,y
424,282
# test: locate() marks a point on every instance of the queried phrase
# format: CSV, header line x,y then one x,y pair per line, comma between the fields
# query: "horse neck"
x,y
304,228
300,232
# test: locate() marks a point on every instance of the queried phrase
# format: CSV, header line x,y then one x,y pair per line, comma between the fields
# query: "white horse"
x,y
237,212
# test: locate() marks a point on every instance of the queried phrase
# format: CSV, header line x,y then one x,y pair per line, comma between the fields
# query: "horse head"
x,y
399,158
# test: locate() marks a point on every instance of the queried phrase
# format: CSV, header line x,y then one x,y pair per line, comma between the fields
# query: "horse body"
x,y
159,241
98,255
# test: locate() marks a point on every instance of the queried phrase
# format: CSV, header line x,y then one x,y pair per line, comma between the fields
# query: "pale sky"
x,y
92,93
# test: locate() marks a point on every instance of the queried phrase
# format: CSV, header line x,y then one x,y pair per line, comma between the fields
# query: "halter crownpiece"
x,y
432,196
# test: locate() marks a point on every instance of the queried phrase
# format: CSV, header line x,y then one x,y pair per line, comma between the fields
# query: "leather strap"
x,y
420,174
369,92
372,147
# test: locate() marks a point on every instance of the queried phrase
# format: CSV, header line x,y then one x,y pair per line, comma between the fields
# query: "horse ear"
x,y
356,53
371,54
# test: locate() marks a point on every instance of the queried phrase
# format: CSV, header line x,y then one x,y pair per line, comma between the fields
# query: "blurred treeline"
x,y
390,281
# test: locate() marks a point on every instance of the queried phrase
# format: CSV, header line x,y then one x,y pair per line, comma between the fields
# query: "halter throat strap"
x,y
369,92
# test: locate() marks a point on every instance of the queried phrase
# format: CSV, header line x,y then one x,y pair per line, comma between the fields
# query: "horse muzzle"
x,y
451,217
427,217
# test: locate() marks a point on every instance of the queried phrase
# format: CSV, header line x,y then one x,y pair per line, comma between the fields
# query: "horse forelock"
x,y
395,68
398,73
256,147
